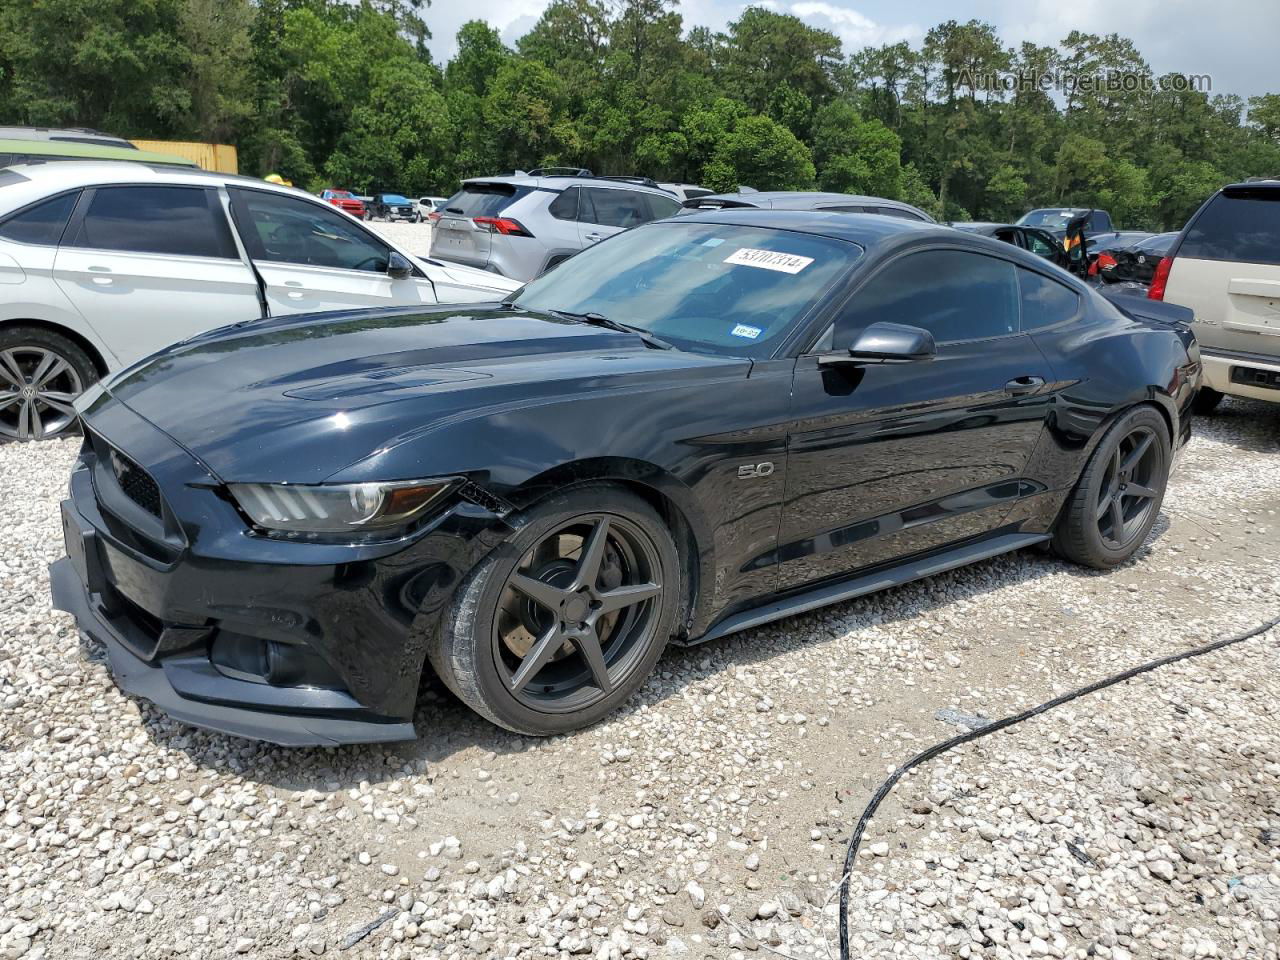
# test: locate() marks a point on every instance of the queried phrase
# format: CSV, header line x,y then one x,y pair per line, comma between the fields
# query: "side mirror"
x,y
886,343
398,268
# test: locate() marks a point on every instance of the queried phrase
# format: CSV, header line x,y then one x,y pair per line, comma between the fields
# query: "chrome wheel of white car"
x,y
39,382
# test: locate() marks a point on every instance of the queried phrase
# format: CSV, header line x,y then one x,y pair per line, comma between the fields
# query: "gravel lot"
x,y
414,237
708,818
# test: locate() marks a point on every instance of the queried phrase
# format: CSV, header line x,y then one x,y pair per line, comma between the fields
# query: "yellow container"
x,y
209,156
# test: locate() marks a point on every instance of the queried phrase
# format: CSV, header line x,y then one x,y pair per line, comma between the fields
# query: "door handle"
x,y
1021,386
98,278
593,237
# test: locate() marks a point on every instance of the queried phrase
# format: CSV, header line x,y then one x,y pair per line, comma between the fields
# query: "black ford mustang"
x,y
698,426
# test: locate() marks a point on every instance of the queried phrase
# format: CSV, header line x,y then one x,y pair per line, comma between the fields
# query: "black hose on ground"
x,y
996,725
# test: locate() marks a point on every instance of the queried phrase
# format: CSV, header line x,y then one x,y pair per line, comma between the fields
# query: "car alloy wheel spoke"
x,y
1117,519
1135,457
587,643
1104,502
588,569
1139,491
10,371
546,646
542,593
30,426
51,365
626,597
8,398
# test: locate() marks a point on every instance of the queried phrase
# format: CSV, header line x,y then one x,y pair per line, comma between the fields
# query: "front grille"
x,y
135,482
1253,377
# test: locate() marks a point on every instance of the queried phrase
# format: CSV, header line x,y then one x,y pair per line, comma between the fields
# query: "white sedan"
x,y
104,263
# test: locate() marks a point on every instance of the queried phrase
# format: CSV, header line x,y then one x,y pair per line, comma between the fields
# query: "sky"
x,y
1233,41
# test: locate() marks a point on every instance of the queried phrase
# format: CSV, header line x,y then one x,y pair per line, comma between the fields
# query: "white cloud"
x,y
855,29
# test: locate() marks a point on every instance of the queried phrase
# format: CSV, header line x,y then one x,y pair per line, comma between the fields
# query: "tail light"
x,y
503,225
1104,261
1160,279
433,216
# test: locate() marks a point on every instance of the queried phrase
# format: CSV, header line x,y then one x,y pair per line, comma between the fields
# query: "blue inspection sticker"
x,y
742,330
712,241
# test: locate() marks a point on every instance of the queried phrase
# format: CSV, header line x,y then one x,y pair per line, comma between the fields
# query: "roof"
x,y
44,179
866,229
65,134
55,149
562,182
802,200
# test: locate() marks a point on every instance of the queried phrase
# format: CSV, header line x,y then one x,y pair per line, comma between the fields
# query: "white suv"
x,y
102,264
1225,265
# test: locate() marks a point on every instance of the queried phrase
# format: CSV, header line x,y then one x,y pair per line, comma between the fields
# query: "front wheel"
x,y
41,374
1117,498
561,624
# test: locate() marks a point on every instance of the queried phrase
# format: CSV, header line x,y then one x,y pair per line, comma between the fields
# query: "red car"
x,y
345,200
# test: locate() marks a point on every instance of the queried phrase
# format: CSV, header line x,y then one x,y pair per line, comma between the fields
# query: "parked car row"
x,y
104,264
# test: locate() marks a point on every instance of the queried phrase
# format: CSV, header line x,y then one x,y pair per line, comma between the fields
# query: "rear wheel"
x,y
1118,496
563,622
1206,401
41,374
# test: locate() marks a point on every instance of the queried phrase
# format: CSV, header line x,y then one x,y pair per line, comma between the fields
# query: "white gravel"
x,y
708,818
414,237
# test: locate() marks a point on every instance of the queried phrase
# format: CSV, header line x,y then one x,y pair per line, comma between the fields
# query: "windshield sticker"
x,y
742,330
713,241
768,260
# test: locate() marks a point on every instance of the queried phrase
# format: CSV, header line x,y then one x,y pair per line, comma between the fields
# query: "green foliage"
x,y
344,92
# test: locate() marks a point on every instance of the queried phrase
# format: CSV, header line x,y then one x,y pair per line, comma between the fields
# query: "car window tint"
x,y
1242,224
565,206
1045,301
1100,222
1039,244
483,199
661,207
953,294
42,223
847,208
178,221
616,208
290,230
897,212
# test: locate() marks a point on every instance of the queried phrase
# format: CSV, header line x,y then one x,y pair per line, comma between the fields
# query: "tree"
x,y
763,50
760,153
853,155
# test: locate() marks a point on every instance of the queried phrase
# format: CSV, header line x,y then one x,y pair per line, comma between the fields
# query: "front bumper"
x,y
294,643
155,681
1242,375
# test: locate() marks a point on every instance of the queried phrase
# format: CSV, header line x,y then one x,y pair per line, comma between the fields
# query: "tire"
x,y
41,374
495,630
1206,401
1118,477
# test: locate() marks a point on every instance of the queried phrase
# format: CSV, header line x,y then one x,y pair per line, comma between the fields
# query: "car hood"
x,y
299,399
448,272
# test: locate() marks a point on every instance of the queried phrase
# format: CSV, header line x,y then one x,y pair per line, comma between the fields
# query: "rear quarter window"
x,y
483,199
1240,225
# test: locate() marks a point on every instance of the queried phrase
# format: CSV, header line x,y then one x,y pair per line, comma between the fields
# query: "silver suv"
x,y
523,225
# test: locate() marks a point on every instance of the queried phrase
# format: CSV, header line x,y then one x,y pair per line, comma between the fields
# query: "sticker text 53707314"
x,y
768,260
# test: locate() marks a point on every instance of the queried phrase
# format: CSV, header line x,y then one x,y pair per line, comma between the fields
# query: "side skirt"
x,y
863,584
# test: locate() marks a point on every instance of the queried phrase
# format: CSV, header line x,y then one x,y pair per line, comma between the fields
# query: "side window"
x,y
1044,301
953,294
897,212
661,207
1040,244
616,208
288,230
1100,222
1241,225
565,206
847,208
42,223
178,221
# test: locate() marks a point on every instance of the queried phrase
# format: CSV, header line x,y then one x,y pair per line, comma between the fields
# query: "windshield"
x,y
394,198
711,287
1053,219
338,194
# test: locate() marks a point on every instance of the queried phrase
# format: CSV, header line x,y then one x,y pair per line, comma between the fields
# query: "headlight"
x,y
356,509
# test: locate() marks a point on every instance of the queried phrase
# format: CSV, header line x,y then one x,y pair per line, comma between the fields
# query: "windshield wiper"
x,y
599,320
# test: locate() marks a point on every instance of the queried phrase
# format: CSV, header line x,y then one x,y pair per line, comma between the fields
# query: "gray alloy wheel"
x,y
562,622
1116,501
38,385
